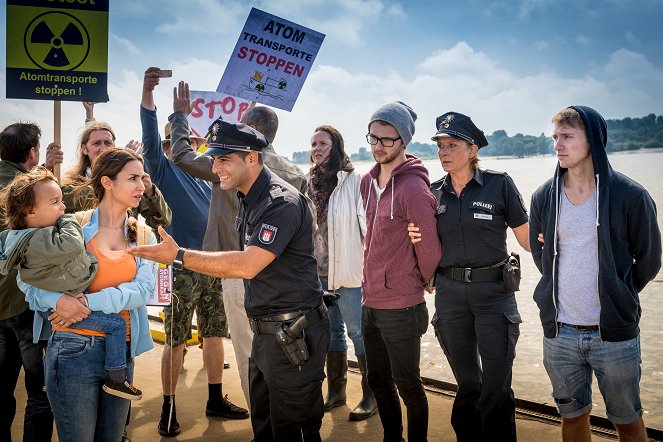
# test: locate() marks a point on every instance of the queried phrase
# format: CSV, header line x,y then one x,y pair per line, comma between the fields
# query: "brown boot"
x,y
367,407
337,378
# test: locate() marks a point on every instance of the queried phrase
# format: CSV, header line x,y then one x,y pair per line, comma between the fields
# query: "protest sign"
x,y
163,288
57,50
207,106
271,60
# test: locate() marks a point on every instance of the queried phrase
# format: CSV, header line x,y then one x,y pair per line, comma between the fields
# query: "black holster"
x,y
511,273
290,337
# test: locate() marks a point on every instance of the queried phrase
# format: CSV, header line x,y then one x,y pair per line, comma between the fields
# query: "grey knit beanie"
x,y
399,115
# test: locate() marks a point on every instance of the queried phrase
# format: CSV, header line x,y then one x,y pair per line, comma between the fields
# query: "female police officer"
x,y
476,320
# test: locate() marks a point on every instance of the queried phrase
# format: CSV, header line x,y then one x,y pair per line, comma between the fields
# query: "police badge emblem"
x,y
267,234
448,120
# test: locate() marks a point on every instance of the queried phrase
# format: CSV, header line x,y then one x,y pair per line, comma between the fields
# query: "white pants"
x,y
240,332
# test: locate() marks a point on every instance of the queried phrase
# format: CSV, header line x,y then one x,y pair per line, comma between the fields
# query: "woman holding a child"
x,y
74,361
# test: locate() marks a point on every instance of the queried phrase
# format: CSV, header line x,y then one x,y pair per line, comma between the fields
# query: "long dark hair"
x,y
323,176
109,163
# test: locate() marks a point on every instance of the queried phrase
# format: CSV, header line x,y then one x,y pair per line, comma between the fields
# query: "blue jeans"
x,y
74,375
573,355
393,350
16,349
346,313
115,328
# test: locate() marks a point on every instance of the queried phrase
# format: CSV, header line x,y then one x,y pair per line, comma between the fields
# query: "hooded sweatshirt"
x,y
629,240
395,270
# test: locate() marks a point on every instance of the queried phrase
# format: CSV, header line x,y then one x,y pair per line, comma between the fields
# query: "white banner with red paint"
x,y
271,60
163,289
210,105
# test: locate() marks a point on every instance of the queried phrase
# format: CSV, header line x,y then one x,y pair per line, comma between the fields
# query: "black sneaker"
x,y
163,427
122,389
225,408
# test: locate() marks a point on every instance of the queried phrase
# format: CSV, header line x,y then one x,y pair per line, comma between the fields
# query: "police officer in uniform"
x,y
476,320
283,293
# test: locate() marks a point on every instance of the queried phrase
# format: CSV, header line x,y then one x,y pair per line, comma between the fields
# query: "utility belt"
x,y
288,330
268,324
466,274
507,271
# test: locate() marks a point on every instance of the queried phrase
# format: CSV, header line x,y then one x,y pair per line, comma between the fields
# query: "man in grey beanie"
x,y
394,316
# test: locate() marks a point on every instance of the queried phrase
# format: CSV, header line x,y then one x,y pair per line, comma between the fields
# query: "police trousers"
x,y
477,325
286,402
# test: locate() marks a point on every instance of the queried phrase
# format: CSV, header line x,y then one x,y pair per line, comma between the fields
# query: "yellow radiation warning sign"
x,y
57,50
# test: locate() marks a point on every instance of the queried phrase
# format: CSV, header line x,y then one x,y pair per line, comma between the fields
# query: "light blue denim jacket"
x,y
130,296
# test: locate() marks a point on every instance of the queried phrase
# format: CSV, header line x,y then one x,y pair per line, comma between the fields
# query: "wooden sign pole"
x,y
57,123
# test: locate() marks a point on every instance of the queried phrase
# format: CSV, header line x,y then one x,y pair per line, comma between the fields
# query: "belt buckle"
x,y
467,273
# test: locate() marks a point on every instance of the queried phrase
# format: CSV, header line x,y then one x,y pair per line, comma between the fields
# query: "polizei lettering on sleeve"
x,y
484,206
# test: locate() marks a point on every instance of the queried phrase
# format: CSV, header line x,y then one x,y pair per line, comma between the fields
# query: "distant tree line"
x,y
623,134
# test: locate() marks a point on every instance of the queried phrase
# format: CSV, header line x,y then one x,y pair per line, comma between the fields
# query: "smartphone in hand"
x,y
163,73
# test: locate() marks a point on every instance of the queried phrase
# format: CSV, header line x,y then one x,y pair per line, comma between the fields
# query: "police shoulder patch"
x,y
275,191
267,233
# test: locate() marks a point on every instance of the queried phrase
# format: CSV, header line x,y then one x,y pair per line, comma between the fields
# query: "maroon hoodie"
x,y
395,270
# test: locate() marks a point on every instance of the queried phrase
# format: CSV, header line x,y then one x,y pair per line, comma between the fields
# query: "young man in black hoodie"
x,y
602,246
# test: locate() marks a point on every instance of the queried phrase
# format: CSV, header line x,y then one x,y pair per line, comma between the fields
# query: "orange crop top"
x,y
115,267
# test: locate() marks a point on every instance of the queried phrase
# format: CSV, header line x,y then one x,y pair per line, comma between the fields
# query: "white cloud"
x,y
459,78
202,17
126,45
396,10
468,81
582,40
341,20
631,38
529,6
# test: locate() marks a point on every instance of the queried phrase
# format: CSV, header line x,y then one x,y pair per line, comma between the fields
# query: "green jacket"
x,y
12,300
50,258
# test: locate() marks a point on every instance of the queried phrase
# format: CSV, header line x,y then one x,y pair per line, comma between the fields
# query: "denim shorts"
x,y
572,357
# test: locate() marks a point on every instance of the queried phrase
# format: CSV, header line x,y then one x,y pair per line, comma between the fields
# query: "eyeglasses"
x,y
386,142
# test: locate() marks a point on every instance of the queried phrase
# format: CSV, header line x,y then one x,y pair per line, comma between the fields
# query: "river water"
x,y
530,380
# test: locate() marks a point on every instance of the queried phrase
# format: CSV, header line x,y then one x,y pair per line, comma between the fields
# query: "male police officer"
x,y
282,295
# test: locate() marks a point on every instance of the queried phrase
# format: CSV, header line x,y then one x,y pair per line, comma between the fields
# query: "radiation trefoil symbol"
x,y
57,40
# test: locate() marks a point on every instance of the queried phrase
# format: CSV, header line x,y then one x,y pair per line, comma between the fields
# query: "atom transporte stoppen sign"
x,y
271,60
57,50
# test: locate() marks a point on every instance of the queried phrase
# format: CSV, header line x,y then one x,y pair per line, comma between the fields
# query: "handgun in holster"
x,y
511,273
290,337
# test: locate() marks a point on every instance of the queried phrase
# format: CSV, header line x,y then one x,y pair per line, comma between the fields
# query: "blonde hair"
x,y
76,174
569,117
474,162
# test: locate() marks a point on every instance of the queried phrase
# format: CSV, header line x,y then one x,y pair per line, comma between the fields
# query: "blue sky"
x,y
509,64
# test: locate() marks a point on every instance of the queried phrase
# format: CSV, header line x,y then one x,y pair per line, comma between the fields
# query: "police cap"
x,y
224,138
455,125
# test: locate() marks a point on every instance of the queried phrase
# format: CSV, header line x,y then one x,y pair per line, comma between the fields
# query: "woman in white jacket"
x,y
339,242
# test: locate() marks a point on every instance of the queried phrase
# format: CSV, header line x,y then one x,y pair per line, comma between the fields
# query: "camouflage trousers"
x,y
202,294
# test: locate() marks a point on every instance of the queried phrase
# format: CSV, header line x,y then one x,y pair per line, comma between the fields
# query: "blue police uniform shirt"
x,y
274,216
472,227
